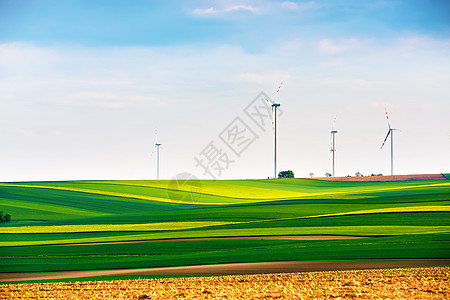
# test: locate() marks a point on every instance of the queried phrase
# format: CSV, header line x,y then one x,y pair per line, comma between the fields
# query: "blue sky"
x,y
163,23
85,84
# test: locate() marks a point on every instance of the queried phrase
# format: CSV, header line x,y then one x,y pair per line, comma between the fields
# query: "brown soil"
x,y
430,283
386,178
267,237
235,269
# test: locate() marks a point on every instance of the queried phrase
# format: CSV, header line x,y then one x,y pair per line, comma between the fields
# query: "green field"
x,y
402,220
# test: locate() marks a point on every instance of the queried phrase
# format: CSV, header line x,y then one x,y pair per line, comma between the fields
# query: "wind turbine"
x,y
274,124
390,132
157,147
333,149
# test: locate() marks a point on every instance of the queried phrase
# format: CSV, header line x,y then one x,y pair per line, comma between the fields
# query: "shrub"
x,y
286,174
4,217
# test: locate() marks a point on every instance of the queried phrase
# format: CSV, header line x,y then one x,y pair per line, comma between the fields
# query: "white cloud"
x,y
413,42
224,10
241,7
204,11
289,5
299,6
23,55
327,46
331,47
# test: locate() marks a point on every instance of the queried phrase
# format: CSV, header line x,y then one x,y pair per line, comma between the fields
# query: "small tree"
x,y
327,174
4,217
358,174
286,174
311,174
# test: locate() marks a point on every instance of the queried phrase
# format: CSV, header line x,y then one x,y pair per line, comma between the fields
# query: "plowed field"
x,y
421,283
387,178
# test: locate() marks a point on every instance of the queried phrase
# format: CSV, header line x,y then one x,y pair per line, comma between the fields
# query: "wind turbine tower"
x,y
390,132
274,124
157,147
333,149
157,160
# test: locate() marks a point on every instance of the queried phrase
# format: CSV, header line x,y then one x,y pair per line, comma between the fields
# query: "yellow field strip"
x,y
275,193
221,189
112,227
265,194
322,230
107,193
430,208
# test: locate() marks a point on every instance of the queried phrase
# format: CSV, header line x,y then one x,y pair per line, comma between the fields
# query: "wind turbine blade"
x,y
153,151
156,136
387,117
278,90
334,121
269,101
331,133
389,132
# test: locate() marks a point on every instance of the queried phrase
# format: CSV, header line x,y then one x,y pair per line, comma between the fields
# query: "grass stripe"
x,y
166,226
408,209
325,230
62,209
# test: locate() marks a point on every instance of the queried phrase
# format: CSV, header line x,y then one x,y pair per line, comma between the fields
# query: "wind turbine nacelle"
x,y
275,104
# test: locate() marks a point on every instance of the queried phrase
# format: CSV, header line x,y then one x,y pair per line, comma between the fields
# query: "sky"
x,y
84,85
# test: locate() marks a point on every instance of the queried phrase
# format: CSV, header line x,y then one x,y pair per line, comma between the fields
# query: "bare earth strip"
x,y
386,178
235,269
421,283
268,237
